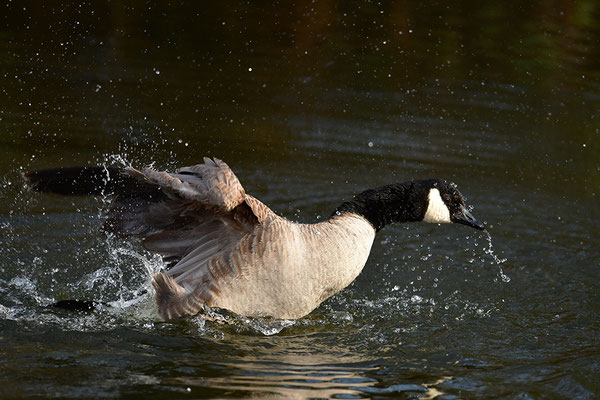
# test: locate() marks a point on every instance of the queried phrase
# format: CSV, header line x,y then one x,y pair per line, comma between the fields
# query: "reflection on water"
x,y
294,370
306,374
309,104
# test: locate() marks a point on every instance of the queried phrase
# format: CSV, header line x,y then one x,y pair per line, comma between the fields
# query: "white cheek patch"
x,y
437,211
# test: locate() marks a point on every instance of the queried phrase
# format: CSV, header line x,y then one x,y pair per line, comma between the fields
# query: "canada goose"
x,y
229,250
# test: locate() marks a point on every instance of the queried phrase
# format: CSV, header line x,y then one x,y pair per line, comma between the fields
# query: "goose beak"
x,y
466,218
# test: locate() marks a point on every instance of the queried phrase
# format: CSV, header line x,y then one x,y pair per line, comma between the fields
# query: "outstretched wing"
x,y
189,217
204,214
181,207
194,214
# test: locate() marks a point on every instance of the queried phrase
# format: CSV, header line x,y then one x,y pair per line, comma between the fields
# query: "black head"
x,y
446,204
432,200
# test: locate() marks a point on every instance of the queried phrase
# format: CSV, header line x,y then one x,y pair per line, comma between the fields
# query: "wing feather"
x,y
212,184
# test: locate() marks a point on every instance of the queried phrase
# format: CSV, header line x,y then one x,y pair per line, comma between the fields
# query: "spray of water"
x,y
497,260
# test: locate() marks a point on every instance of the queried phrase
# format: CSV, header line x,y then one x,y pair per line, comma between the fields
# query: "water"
x,y
309,104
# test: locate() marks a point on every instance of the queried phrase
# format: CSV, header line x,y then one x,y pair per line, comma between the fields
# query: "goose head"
x,y
430,200
445,204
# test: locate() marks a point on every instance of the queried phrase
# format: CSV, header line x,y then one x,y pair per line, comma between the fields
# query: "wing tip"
x,y
82,180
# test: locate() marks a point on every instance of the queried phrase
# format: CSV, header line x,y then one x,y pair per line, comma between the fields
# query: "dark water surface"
x,y
310,103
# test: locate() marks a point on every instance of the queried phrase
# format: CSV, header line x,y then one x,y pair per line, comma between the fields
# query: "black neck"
x,y
402,202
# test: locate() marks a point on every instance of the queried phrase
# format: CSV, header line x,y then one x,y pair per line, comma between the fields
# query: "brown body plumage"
x,y
239,255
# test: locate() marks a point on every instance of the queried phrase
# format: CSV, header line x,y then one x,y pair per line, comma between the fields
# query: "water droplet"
x,y
416,298
490,251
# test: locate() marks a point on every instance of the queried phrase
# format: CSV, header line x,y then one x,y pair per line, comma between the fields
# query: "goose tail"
x,y
173,300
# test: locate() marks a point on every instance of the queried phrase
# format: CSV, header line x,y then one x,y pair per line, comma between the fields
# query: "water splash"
x,y
121,279
119,159
240,324
499,261
115,275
